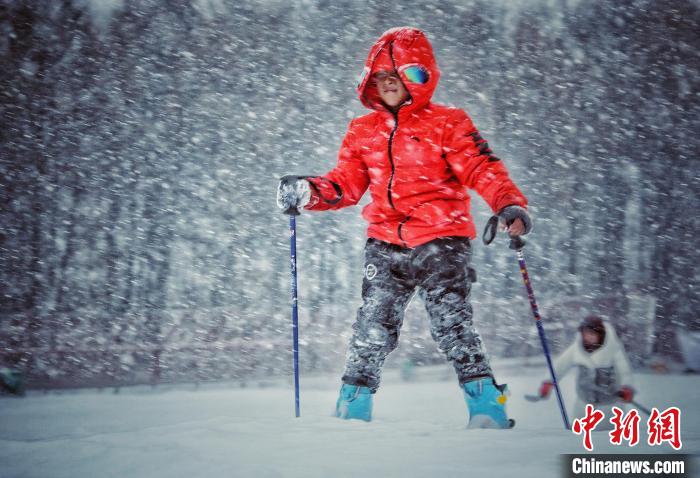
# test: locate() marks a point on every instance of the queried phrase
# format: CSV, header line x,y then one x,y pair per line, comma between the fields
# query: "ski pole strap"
x,y
490,230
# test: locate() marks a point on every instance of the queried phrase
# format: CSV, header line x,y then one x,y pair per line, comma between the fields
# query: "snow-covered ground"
x,y
226,430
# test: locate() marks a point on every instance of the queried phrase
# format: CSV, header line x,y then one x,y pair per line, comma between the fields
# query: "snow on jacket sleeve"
x,y
345,184
474,164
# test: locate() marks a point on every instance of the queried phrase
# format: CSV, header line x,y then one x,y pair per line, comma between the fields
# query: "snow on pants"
x,y
439,271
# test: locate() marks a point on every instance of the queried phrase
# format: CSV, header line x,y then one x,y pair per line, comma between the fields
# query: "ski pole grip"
x,y
516,243
292,211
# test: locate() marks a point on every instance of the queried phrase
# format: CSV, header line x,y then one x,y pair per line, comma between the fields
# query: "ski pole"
x,y
517,244
641,407
293,213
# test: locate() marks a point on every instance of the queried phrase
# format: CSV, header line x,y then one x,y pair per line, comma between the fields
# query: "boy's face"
x,y
591,339
391,90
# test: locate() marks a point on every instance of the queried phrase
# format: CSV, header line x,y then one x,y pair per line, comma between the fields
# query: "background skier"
x,y
604,373
417,158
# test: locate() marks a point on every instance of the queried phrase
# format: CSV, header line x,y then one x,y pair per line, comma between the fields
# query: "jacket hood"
x,y
403,47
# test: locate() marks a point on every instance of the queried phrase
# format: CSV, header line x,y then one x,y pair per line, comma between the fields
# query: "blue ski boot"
x,y
487,404
354,402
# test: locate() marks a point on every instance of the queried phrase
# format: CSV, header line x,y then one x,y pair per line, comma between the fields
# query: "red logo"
x,y
587,424
665,427
662,427
626,428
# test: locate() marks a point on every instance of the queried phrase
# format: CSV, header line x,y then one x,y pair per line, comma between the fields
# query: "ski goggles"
x,y
413,73
417,74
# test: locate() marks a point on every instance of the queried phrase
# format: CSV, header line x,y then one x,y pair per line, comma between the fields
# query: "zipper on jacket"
x,y
393,131
391,159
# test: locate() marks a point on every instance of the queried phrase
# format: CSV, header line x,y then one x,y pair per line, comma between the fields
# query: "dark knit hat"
x,y
593,323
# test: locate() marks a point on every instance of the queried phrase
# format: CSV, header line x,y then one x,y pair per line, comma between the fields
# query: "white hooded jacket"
x,y
601,373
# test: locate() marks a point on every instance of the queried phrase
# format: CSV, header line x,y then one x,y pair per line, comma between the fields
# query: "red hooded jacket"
x,y
417,163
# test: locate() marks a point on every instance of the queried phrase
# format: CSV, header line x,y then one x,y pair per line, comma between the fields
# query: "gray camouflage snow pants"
x,y
439,271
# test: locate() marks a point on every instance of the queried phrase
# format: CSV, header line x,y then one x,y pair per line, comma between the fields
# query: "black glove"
x,y
510,213
293,193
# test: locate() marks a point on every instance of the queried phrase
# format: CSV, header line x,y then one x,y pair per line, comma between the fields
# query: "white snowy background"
x,y
141,251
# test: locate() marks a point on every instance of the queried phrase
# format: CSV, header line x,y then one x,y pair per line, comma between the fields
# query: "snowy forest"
x,y
141,142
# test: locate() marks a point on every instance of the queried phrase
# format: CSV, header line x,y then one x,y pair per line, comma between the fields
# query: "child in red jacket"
x,y
417,158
